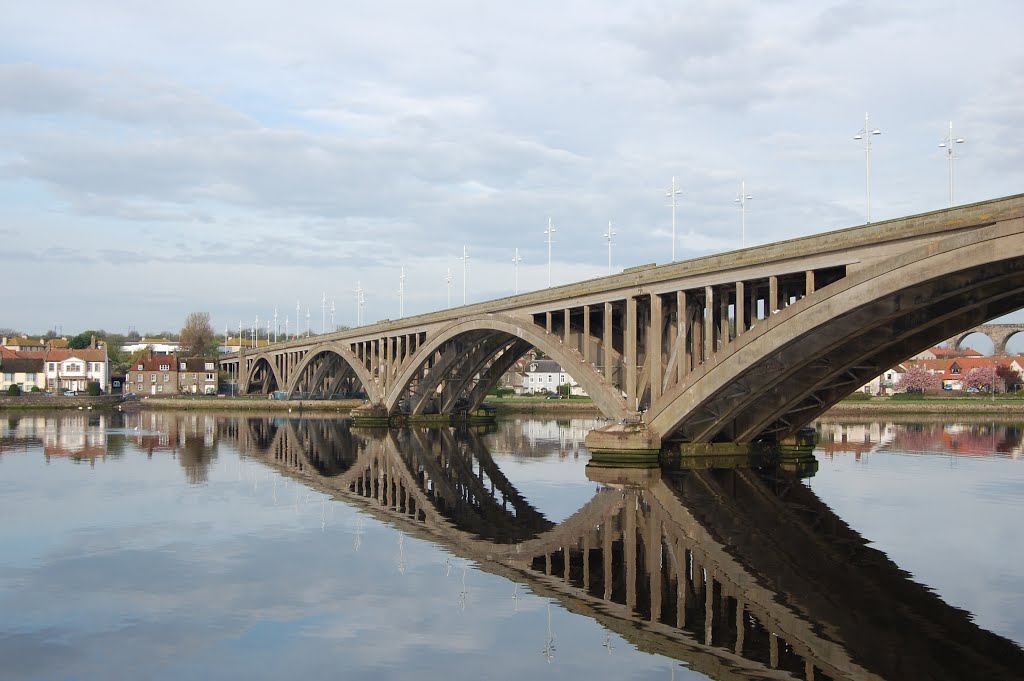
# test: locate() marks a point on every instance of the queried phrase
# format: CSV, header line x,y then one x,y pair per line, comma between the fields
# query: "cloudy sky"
x,y
162,158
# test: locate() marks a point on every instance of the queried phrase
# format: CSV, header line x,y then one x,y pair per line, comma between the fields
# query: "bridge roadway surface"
x,y
737,574
746,346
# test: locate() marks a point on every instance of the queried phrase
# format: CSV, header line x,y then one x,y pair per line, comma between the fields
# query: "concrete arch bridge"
x,y
742,347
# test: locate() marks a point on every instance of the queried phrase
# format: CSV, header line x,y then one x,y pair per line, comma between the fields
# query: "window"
x,y
209,376
209,366
165,367
167,378
195,376
140,367
53,366
8,378
181,366
152,378
30,377
159,388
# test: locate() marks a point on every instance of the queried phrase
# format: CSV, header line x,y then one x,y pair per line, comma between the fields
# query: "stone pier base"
x,y
623,445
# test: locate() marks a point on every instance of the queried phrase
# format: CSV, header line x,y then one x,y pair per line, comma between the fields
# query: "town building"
x,y
153,374
26,373
159,346
197,376
74,370
545,375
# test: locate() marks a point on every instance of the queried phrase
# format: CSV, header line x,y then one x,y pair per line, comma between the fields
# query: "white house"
x,y
22,372
542,375
160,346
75,369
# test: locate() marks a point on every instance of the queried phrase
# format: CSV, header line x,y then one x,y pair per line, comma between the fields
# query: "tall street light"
x,y
865,136
465,272
742,201
333,327
672,194
448,282
275,324
323,312
515,267
608,237
359,304
949,144
401,293
298,314
550,232
307,321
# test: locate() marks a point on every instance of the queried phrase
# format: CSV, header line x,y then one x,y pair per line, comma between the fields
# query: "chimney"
x,y
92,343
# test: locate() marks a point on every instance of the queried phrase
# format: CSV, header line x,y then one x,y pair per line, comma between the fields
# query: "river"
x,y
163,545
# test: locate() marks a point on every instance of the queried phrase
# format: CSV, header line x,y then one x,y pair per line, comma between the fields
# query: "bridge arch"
x,y
999,334
497,334
319,360
263,373
782,373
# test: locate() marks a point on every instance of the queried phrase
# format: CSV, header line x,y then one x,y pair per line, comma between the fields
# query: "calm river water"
x,y
157,545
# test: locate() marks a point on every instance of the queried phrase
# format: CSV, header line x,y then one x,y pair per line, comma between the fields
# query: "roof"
x,y
154,363
85,354
21,365
24,342
57,343
543,366
197,363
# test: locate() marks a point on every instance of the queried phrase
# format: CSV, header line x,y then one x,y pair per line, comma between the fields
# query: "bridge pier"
x,y
624,445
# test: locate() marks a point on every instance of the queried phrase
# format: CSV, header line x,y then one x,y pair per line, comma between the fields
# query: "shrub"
x,y
858,397
93,388
14,390
35,389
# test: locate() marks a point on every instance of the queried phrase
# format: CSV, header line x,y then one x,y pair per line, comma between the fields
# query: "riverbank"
x,y
949,406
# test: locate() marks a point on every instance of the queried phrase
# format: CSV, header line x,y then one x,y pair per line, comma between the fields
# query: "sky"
x,y
158,159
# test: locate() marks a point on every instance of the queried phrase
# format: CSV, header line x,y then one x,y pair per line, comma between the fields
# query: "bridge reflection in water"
x,y
736,573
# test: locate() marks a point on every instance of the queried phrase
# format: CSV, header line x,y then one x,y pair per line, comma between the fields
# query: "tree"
x,y
918,380
1009,376
980,378
197,336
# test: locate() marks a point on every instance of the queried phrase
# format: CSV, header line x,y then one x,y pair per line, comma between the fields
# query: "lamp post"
x,y
256,332
448,281
358,303
275,324
298,314
323,312
865,136
673,192
608,237
286,329
401,293
307,321
465,272
742,201
550,232
333,327
515,268
949,144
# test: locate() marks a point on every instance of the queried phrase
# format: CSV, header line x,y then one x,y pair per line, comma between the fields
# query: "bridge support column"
x,y
625,445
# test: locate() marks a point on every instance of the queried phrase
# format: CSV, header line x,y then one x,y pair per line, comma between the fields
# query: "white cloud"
x,y
301,152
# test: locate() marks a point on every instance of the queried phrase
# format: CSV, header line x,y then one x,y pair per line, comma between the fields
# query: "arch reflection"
x,y
738,574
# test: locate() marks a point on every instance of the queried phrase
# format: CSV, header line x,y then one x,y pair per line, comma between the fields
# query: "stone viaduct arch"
x,y
999,334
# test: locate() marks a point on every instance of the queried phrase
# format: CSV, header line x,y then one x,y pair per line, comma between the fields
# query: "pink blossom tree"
x,y
980,378
918,380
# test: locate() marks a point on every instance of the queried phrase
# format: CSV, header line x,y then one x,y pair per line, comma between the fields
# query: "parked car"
x,y
973,390
70,393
